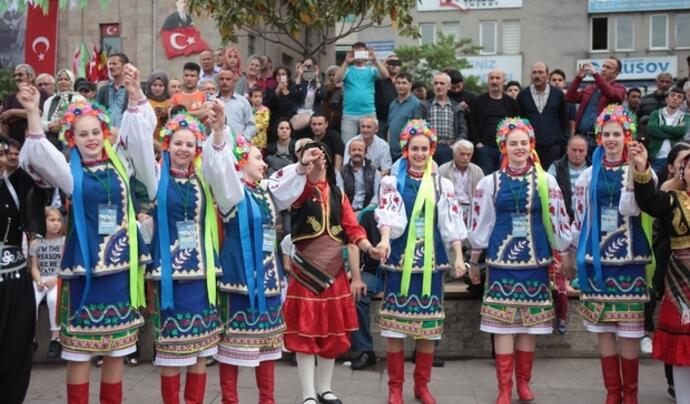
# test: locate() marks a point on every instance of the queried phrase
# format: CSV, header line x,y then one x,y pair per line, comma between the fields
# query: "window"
x,y
658,31
682,30
251,44
600,33
487,37
451,29
625,32
511,37
428,32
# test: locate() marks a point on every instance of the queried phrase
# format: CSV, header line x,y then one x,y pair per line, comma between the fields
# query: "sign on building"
x,y
466,5
617,6
482,65
639,68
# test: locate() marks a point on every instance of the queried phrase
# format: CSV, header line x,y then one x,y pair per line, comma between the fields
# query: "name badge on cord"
x,y
419,227
186,234
107,219
609,220
520,224
269,238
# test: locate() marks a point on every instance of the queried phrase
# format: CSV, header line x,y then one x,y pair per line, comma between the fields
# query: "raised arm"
x,y
38,157
649,199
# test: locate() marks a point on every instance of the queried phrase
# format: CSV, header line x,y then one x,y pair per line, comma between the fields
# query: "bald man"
x,y
548,112
486,111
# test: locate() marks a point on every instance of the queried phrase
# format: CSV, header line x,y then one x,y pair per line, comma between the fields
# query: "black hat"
x,y
85,85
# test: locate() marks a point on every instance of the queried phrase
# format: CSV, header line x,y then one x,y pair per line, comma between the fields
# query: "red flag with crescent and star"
x,y
182,41
40,44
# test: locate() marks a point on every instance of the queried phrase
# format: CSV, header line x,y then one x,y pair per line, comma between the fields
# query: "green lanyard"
x,y
185,199
611,187
105,184
516,198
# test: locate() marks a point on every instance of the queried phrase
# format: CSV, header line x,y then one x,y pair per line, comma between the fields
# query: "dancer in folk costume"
x,y
101,271
519,217
613,248
250,287
319,309
182,274
418,210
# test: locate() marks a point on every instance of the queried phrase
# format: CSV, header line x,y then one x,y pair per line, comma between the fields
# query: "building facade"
x,y
649,36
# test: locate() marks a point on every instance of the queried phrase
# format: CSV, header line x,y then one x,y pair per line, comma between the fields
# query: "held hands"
x,y
29,97
381,251
475,275
459,267
637,156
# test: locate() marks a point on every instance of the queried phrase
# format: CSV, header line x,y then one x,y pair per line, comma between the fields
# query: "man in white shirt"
x,y
463,174
378,150
209,71
238,112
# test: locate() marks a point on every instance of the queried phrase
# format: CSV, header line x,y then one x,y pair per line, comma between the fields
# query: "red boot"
x,y
504,375
629,370
194,388
396,376
265,380
78,393
523,374
170,389
610,369
228,383
111,393
422,376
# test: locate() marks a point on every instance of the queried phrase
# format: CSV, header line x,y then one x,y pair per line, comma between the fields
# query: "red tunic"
x,y
672,338
320,324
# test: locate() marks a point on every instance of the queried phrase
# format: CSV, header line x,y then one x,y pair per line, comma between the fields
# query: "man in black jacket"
x,y
486,111
545,107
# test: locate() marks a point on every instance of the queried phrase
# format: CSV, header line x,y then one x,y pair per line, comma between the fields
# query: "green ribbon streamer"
x,y
136,272
211,239
425,199
651,267
543,190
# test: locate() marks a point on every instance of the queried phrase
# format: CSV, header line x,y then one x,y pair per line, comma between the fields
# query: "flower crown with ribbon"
x,y
617,113
79,109
183,121
510,124
416,127
241,151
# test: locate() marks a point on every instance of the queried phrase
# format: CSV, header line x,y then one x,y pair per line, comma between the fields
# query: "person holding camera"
x,y
307,93
358,78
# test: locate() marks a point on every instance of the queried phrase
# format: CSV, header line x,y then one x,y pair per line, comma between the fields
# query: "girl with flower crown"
x,y
519,218
612,241
418,210
101,274
182,273
250,287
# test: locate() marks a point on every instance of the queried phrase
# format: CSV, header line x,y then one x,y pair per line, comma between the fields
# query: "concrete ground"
x,y
557,381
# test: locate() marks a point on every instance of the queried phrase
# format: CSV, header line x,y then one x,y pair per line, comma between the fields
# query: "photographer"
x,y
307,93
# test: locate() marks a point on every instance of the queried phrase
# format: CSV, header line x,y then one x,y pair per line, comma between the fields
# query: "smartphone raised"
x,y
361,54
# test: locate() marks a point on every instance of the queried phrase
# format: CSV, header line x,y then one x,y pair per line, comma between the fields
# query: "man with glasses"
x,y
384,93
46,82
13,115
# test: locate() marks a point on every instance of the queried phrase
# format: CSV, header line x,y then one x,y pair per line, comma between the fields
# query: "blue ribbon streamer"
x,y
78,213
593,219
164,235
252,251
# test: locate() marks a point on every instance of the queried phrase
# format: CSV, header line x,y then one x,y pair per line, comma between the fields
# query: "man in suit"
x,y
545,107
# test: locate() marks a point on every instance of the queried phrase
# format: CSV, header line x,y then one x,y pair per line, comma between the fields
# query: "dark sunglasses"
x,y
394,63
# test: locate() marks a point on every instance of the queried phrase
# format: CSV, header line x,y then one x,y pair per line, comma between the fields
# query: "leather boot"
x,y
396,376
422,376
78,393
611,371
523,374
504,376
265,380
170,389
228,383
629,370
195,388
111,393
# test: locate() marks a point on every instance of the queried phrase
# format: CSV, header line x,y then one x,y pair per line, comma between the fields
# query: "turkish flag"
x,y
182,41
40,43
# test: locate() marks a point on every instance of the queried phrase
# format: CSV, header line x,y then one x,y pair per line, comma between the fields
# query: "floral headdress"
x,y
416,127
241,151
183,121
617,113
79,109
509,125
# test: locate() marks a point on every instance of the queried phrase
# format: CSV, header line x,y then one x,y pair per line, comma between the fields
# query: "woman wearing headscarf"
x,y
156,91
613,249
418,210
56,105
101,273
519,218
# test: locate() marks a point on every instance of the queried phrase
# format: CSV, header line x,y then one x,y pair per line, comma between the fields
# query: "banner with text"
x,y
644,68
482,65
